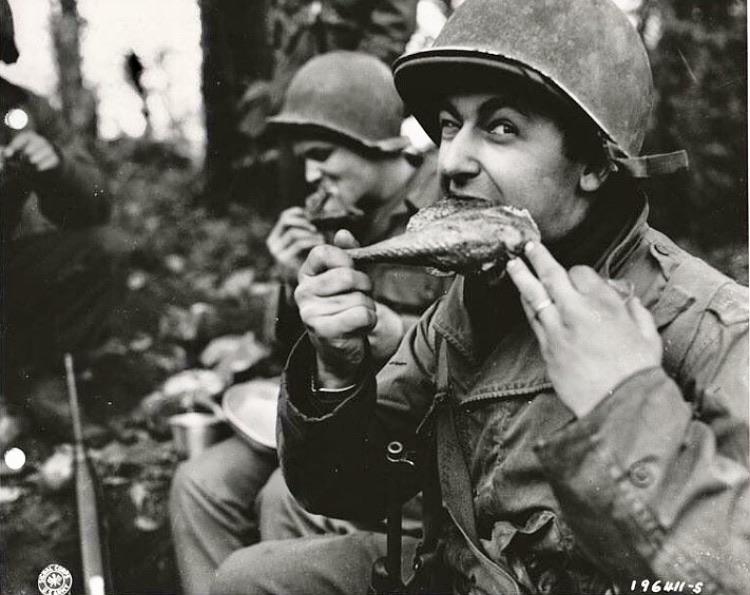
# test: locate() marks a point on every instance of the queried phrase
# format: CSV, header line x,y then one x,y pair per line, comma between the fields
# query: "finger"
x,y
533,292
41,156
587,282
335,282
318,309
301,247
355,320
18,143
624,287
293,211
642,318
323,258
292,235
585,279
536,326
551,274
345,239
295,217
48,163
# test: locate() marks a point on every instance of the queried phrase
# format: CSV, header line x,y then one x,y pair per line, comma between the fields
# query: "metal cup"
x,y
194,432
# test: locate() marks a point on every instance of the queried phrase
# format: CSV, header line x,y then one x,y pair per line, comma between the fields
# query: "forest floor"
x,y
192,279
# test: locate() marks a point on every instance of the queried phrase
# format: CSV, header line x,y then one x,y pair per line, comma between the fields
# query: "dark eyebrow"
x,y
498,102
447,106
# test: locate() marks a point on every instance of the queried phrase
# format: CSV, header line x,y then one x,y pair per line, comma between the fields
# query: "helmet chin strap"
x,y
646,166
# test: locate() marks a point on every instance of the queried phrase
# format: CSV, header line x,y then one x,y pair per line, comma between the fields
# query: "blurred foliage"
x,y
178,287
700,72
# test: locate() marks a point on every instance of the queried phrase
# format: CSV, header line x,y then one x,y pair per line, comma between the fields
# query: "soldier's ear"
x,y
593,176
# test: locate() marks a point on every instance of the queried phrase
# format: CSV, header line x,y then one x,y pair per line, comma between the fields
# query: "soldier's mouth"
x,y
469,199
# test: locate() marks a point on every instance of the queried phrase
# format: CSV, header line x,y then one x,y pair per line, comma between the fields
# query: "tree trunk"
x,y
700,73
78,104
235,54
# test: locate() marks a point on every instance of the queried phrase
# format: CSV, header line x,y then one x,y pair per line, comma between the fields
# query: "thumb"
x,y
344,239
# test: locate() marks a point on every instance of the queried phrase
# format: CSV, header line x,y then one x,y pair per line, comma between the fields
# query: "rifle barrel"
x,y
94,569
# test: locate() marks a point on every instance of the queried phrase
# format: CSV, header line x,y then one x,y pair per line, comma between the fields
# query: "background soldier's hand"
x,y
34,149
290,241
590,337
336,308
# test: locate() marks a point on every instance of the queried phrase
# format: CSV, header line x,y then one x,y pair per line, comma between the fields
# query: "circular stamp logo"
x,y
55,580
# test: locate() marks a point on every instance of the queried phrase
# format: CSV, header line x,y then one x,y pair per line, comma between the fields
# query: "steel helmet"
x,y
586,51
350,94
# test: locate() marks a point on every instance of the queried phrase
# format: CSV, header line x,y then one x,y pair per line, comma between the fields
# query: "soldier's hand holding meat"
x,y
290,240
336,308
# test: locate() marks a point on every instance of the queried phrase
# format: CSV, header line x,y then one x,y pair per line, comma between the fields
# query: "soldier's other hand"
x,y
290,241
336,308
33,148
591,337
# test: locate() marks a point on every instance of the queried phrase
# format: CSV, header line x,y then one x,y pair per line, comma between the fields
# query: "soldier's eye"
x,y
448,126
318,153
502,128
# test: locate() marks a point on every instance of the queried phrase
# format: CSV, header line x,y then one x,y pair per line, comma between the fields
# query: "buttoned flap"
x,y
674,299
730,304
406,289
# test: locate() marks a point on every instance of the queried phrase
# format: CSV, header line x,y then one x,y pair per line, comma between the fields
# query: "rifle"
x,y
386,571
97,579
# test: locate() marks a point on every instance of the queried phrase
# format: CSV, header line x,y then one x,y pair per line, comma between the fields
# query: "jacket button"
x,y
640,475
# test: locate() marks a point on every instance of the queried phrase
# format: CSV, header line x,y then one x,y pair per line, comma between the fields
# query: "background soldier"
x,y
343,116
60,266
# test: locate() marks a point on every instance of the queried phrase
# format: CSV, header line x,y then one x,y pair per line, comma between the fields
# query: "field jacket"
x,y
651,485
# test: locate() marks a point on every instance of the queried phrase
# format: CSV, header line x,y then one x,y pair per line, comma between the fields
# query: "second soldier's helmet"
x,y
350,94
586,52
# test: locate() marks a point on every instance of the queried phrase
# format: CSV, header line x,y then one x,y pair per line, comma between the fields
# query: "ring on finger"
x,y
545,303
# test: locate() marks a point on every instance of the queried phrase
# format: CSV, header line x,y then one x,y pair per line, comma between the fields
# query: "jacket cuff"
x,y
626,437
304,406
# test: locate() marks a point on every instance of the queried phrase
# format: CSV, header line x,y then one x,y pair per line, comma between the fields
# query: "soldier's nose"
x,y
457,156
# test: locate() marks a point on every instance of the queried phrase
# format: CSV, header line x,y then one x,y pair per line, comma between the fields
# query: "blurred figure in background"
x,y
59,264
342,115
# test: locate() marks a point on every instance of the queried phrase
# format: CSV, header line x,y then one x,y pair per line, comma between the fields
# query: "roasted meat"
x,y
327,212
456,236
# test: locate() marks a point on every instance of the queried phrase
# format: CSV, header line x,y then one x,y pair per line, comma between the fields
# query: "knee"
x,y
275,498
183,493
245,572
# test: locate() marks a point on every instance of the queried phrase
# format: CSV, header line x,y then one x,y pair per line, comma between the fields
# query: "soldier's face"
x,y
349,176
496,149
